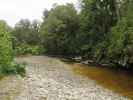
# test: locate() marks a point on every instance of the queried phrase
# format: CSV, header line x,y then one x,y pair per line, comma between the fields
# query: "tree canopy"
x,y
59,29
101,31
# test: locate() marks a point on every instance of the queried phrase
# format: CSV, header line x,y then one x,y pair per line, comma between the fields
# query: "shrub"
x,y
7,66
13,68
28,49
6,56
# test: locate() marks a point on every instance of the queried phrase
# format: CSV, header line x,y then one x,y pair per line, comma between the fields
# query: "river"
x,y
118,81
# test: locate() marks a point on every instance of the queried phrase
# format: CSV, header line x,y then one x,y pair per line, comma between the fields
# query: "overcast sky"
x,y
14,10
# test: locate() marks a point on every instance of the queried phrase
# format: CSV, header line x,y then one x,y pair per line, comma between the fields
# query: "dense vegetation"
x,y
7,65
26,37
102,31
59,30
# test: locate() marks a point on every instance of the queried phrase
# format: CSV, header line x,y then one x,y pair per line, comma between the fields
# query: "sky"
x,y
13,10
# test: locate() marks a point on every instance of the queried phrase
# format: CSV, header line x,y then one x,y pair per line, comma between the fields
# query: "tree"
x,y
121,45
97,19
22,32
26,32
27,37
59,29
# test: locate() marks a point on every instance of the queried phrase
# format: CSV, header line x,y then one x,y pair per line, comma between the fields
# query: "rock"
x,y
45,83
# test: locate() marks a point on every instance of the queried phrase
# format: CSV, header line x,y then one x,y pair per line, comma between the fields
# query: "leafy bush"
x,y
13,68
5,45
20,69
7,66
28,49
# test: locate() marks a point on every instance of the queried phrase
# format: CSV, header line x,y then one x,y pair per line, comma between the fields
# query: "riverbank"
x,y
88,62
51,79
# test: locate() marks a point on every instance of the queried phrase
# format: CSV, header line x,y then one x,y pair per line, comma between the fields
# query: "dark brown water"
x,y
118,81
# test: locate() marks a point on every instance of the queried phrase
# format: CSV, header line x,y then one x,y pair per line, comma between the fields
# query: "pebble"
x,y
55,81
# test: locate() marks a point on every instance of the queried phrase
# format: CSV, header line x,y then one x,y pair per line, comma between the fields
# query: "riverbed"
x,y
49,78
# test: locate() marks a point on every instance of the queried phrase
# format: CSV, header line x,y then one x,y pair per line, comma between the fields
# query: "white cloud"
x,y
14,10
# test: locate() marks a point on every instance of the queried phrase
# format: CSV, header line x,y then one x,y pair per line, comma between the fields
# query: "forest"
x,y
99,30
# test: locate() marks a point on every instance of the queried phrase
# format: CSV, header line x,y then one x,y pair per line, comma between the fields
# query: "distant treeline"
x,y
101,30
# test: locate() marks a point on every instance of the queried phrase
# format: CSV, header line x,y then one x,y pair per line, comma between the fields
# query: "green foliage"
x,y
20,69
29,49
59,30
26,32
96,20
7,66
108,25
5,45
121,45
26,38
13,68
101,31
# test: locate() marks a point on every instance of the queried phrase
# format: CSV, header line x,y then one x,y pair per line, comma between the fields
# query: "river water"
x,y
116,80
